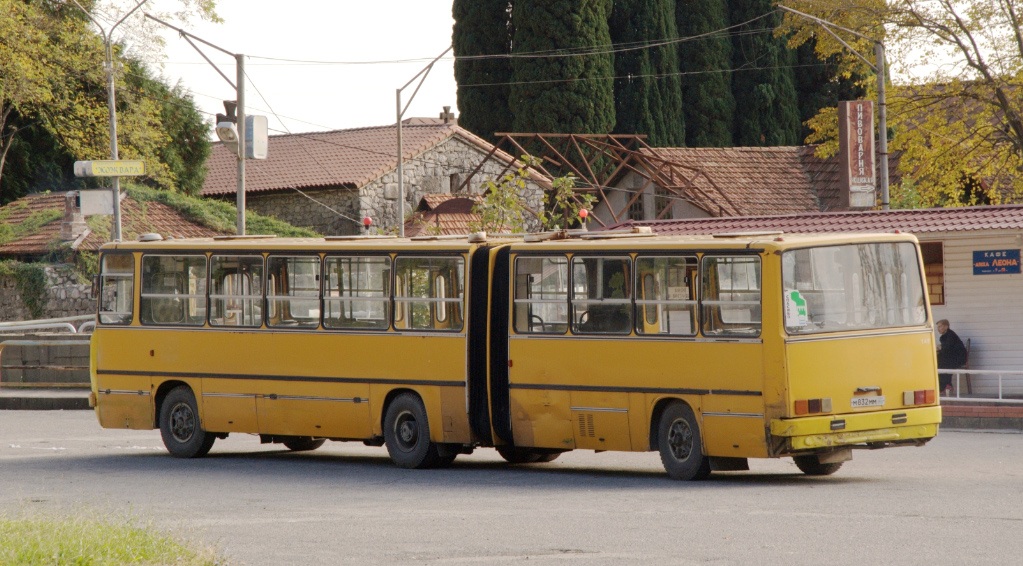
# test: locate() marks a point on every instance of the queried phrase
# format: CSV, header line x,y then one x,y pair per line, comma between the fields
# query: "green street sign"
x,y
110,168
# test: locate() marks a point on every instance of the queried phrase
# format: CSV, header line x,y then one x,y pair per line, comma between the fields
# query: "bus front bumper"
x,y
910,425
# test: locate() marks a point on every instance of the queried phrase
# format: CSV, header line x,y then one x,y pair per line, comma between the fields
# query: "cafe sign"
x,y
988,262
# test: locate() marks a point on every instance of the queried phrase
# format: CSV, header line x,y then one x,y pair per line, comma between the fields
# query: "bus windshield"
x,y
852,287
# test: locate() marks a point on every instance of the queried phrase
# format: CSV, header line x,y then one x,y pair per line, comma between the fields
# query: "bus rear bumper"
x,y
907,426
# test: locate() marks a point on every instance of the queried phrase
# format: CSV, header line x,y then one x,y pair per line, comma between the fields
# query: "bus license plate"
x,y
875,401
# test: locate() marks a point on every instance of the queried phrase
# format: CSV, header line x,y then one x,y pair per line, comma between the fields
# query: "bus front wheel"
x,y
180,427
407,433
678,439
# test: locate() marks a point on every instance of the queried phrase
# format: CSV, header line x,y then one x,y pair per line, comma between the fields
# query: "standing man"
x,y
951,355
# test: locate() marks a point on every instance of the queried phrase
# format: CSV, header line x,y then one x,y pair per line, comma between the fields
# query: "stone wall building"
x,y
331,181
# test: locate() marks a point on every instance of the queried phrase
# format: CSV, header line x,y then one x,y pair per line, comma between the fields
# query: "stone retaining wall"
x,y
65,296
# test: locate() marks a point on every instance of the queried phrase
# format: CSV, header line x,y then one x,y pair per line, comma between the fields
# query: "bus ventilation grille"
x,y
586,425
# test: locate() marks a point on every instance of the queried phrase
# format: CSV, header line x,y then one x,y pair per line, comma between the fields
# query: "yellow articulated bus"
x,y
710,350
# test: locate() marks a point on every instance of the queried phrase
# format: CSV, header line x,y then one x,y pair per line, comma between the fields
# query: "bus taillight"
x,y
813,406
919,397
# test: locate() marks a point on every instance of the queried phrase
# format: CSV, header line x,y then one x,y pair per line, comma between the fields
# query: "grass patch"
x,y
217,214
88,542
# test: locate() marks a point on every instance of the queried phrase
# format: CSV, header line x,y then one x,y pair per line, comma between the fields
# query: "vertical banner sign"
x,y
856,152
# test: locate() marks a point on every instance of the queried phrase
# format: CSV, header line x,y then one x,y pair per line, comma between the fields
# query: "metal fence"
x,y
1008,384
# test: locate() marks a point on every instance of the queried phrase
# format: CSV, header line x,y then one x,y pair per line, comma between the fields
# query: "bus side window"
x,y
429,292
667,300
117,279
357,292
293,291
601,295
541,295
730,298
236,291
173,290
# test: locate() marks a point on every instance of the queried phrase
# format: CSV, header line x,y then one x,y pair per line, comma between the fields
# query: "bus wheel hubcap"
x,y
408,431
182,423
680,439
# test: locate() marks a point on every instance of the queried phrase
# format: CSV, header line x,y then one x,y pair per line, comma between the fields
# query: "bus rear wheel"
x,y
678,439
303,443
812,466
180,427
407,433
515,455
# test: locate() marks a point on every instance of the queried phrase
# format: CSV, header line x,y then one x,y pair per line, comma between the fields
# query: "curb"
x,y
44,399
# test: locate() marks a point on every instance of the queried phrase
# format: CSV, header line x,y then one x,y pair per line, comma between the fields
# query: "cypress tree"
x,y
648,93
818,84
482,27
706,78
763,80
562,94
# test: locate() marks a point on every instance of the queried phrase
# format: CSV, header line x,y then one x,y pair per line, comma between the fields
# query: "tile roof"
x,y
916,221
743,181
340,158
136,219
443,214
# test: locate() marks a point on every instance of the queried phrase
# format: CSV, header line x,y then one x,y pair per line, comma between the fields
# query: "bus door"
x,y
294,395
530,401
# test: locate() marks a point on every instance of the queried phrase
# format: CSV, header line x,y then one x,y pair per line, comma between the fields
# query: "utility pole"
x,y
112,109
878,66
401,158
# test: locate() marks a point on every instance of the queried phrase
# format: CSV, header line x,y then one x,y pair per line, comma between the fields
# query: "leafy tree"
x,y
819,84
648,92
763,77
502,207
186,130
959,123
482,28
572,92
52,80
705,60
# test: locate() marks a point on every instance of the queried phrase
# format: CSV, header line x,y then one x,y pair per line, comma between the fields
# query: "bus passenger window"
x,y
173,290
428,293
731,296
541,295
236,290
117,279
667,298
601,295
293,291
357,293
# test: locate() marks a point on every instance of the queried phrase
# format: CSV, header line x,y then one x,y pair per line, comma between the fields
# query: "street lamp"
x,y
224,128
879,68
112,109
401,158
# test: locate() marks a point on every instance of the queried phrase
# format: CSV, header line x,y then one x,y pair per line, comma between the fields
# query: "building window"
x,y
934,271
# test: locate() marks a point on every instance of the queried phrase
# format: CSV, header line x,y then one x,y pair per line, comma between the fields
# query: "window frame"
x,y
199,300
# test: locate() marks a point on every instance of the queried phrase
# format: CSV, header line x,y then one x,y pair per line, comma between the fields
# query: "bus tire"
x,y
303,443
515,455
812,466
678,439
407,433
180,427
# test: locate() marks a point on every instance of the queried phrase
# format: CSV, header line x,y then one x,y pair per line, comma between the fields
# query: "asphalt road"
x,y
958,500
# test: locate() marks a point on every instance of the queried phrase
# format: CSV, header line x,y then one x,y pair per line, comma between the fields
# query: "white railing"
x,y
1005,379
66,323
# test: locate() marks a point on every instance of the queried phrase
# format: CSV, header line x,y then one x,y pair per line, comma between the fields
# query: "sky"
x,y
300,95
